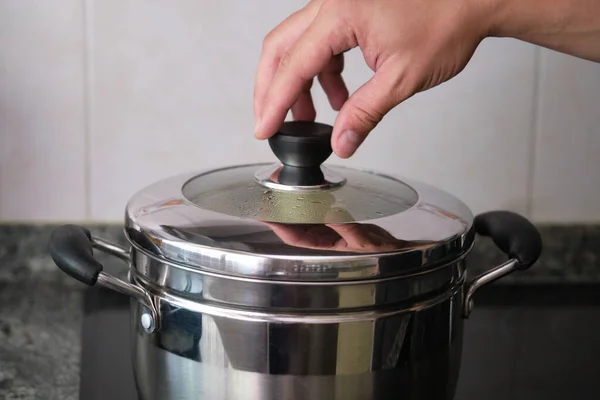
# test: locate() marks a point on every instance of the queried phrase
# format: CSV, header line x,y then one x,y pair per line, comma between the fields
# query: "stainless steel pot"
x,y
297,280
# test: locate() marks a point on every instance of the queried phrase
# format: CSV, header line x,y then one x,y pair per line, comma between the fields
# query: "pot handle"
x,y
515,236
71,249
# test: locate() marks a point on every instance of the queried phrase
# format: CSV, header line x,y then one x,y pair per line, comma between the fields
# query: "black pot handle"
x,y
513,234
71,248
516,237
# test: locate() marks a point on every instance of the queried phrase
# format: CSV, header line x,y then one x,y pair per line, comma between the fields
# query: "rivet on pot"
x,y
147,321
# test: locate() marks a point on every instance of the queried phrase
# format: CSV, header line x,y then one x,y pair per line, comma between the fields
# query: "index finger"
x,y
311,53
274,45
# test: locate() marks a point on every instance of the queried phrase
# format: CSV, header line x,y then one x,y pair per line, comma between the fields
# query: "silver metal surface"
x,y
226,337
267,177
235,338
219,354
126,288
485,278
111,249
433,228
233,291
255,309
133,291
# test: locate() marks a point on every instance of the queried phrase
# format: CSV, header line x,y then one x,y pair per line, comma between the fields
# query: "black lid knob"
x,y
302,147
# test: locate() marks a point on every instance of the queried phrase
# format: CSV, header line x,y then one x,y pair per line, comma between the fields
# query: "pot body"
x,y
198,334
315,345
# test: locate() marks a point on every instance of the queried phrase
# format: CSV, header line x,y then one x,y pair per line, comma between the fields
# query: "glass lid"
x,y
300,190
299,219
364,196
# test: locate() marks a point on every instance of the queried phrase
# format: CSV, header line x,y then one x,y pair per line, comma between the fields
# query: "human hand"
x,y
411,45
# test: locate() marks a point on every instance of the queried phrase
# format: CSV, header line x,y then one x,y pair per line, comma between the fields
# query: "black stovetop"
x,y
521,343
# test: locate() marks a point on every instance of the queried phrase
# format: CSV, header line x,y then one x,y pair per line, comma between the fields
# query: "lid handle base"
x,y
298,176
302,147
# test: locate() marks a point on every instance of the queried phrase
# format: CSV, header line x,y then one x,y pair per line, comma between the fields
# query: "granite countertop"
x,y
41,308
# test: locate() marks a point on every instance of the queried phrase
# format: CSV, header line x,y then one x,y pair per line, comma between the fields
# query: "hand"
x,y
411,45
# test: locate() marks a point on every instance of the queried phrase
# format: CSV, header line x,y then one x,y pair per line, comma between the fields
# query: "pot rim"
x,y
278,280
302,316
159,276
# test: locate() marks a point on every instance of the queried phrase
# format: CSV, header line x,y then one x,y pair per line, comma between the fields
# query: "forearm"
x,y
568,26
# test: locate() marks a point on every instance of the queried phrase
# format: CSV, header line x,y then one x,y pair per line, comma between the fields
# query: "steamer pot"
x,y
297,280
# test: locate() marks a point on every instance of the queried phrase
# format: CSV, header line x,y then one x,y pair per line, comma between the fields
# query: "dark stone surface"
x,y
40,319
571,254
41,308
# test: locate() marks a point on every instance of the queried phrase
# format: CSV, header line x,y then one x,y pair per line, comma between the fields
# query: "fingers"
x,y
332,83
304,108
368,105
309,55
275,44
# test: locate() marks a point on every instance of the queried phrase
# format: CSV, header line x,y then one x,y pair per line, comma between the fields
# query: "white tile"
x,y
42,155
469,136
172,91
567,169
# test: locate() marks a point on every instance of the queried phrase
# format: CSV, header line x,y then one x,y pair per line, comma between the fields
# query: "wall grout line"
x,y
88,95
534,131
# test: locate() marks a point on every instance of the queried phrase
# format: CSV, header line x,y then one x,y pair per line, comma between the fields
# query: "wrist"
x,y
487,14
496,15
522,19
567,26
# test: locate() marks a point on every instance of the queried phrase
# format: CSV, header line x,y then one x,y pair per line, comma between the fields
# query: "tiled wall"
x,y
99,98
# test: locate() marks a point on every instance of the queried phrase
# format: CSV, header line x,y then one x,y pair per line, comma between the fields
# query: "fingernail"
x,y
256,127
348,143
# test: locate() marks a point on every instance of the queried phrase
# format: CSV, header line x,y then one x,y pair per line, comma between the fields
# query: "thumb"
x,y
361,113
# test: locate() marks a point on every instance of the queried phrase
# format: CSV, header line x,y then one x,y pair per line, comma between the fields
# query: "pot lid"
x,y
297,219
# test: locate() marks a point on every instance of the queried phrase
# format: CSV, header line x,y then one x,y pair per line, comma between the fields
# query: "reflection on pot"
x,y
354,237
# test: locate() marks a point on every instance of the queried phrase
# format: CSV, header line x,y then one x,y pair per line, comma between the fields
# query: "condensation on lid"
x,y
365,196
